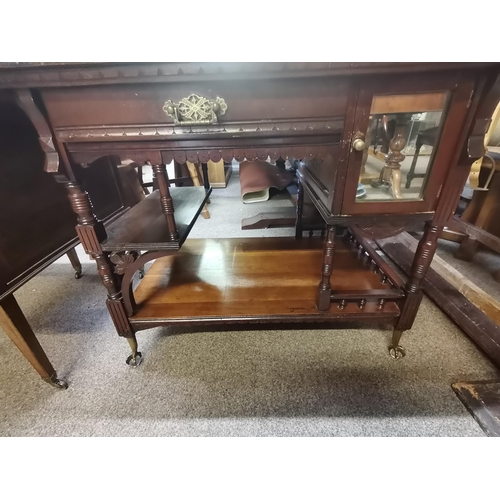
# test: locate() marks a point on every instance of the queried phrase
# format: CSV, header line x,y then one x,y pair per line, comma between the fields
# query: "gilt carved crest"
x,y
195,110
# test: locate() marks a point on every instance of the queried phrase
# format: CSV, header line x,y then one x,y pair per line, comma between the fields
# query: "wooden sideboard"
x,y
318,113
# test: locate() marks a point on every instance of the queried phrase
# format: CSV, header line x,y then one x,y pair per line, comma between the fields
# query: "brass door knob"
x,y
358,144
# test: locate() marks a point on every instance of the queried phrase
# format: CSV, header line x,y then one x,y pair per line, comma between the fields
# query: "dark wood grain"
x,y
250,280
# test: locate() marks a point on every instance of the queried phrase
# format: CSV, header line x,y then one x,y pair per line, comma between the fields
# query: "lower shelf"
x,y
251,280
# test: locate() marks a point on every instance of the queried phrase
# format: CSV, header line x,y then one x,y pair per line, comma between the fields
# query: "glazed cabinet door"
x,y
404,136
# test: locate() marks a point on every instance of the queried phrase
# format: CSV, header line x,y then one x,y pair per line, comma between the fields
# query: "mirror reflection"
x,y
399,146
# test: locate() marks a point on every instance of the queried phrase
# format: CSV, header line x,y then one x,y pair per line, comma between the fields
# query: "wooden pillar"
x,y
324,289
167,205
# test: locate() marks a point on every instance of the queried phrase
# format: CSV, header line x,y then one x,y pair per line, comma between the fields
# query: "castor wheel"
x,y
397,352
78,275
134,360
141,274
56,382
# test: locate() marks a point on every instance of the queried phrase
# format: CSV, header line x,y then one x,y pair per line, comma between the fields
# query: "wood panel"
x,y
408,103
247,101
36,219
251,278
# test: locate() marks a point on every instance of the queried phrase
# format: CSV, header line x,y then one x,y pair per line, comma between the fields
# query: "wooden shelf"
x,y
144,227
247,280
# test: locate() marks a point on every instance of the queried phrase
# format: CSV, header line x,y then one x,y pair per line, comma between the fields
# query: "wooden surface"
x,y
251,279
37,224
143,226
482,399
417,103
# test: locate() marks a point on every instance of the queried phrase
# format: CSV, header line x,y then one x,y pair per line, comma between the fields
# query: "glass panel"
x,y
399,147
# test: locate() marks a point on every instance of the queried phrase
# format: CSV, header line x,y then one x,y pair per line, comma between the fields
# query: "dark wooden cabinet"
x,y
330,116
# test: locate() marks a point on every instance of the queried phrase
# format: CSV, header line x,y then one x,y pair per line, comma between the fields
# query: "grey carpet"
x,y
322,382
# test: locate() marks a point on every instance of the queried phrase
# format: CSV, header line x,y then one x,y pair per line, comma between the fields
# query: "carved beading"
x,y
144,155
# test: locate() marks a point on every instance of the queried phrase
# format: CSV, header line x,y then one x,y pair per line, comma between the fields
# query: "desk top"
x,y
55,74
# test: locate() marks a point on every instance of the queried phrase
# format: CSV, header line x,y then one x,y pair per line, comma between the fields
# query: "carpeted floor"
x,y
322,382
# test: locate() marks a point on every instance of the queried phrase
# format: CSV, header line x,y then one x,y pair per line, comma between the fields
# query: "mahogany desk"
x,y
319,113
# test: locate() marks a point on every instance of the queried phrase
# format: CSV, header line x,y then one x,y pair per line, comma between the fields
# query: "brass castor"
x,y
397,352
134,359
78,274
56,382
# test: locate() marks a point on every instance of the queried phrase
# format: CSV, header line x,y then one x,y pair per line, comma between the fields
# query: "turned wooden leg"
x,y
193,172
167,205
91,232
299,208
421,262
324,289
16,326
396,182
395,157
75,262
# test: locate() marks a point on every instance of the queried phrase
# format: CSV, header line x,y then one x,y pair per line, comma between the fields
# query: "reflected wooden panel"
x,y
408,103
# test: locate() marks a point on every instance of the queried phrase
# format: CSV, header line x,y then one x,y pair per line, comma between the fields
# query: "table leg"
x,y
421,262
411,174
75,262
15,324
324,288
193,172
